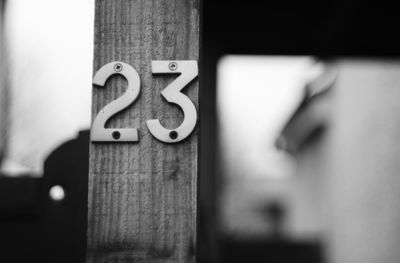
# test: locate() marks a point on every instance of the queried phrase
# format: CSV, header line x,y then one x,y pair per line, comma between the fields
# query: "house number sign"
x,y
187,69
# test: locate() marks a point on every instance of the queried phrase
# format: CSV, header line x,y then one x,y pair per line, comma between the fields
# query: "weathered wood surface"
x,y
142,195
3,87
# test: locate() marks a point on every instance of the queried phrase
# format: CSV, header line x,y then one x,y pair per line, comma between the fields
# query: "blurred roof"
x,y
311,116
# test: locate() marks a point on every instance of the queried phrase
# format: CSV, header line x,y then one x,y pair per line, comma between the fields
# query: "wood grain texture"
x,y
4,93
142,195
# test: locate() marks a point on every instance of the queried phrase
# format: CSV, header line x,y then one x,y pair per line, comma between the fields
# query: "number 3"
x,y
172,93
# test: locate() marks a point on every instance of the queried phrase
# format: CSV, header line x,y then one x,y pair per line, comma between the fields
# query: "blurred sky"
x,y
256,95
50,49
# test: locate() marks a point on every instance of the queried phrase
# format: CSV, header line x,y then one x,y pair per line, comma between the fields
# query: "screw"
x,y
173,66
116,135
173,135
118,67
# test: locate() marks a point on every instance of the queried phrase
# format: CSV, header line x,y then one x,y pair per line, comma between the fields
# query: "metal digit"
x,y
172,93
101,134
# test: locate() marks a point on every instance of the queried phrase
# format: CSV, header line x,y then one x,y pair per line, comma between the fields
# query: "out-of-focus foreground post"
x,y
142,195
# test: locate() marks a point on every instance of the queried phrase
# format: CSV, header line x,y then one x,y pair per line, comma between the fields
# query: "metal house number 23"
x,y
187,69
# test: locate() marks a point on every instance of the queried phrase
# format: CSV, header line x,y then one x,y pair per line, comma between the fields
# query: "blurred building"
x,y
264,211
345,139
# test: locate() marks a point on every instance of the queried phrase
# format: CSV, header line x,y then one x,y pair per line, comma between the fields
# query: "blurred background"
x,y
268,210
319,186
255,97
46,54
49,75
307,159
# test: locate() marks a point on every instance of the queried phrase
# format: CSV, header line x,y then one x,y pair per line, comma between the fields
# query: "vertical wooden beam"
x,y
3,86
142,195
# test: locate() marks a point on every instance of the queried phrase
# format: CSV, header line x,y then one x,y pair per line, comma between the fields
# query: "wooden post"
x,y
3,87
142,195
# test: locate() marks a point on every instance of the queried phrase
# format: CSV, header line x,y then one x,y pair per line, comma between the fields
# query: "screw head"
x,y
116,135
118,67
173,135
173,66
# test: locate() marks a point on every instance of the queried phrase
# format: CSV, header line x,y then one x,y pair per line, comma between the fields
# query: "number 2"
x,y
99,133
172,93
